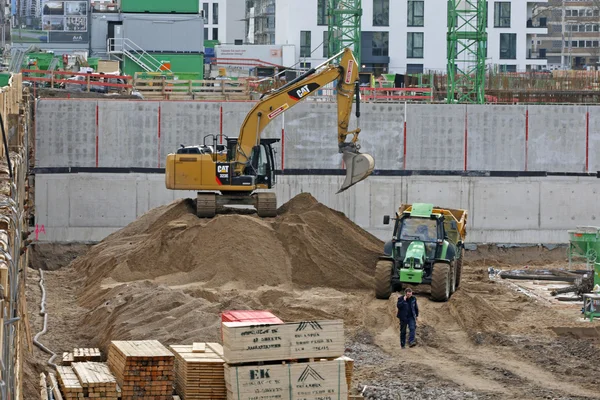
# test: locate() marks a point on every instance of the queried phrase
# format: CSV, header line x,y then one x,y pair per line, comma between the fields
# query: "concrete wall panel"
x,y
501,210
382,134
128,134
567,205
505,204
107,203
187,123
496,138
65,133
435,138
557,138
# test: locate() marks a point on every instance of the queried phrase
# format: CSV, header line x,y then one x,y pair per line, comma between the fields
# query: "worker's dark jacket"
x,y
407,309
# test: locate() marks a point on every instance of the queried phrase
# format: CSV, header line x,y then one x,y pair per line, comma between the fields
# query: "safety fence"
x,y
14,201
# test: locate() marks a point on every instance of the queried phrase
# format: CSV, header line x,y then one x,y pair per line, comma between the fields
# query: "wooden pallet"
x,y
144,369
199,371
97,380
69,383
245,342
67,358
86,354
302,380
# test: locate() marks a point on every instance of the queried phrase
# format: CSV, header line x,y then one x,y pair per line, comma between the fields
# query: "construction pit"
x,y
168,276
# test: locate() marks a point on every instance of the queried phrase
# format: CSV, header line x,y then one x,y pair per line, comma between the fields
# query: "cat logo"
x,y
302,91
297,94
223,169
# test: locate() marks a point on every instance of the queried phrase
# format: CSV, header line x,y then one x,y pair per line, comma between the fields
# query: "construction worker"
x,y
408,312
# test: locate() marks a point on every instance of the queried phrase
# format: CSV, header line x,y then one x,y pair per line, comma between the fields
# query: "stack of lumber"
x,y
69,383
80,355
199,371
96,380
85,354
144,369
291,360
67,358
349,363
87,380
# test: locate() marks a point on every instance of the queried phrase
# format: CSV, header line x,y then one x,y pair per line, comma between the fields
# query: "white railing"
x,y
140,56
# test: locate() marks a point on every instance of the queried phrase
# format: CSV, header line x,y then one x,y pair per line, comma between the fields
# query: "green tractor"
x,y
426,248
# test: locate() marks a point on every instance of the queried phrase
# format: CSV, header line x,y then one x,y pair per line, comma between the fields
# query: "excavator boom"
x,y
358,166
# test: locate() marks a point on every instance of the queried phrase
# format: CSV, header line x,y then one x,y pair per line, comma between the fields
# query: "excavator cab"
x,y
261,166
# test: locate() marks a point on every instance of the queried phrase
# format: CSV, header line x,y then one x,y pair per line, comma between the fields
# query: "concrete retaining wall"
x,y
87,207
110,133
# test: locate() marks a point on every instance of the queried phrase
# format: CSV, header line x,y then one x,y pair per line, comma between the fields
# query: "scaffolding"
x,y
344,26
467,45
260,21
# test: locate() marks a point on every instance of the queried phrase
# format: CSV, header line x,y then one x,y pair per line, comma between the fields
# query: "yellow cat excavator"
x,y
235,172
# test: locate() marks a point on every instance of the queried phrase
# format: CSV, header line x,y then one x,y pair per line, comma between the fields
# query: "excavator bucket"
x,y
358,167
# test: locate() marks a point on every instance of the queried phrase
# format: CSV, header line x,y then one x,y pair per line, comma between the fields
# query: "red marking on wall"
x,y
221,125
282,148
466,139
587,141
404,150
97,132
526,139
39,230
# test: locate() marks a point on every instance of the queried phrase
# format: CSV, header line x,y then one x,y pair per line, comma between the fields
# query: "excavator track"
x,y
206,206
266,205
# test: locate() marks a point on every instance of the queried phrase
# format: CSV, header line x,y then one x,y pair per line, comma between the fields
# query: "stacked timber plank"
x,y
69,383
86,354
199,371
96,380
300,360
144,369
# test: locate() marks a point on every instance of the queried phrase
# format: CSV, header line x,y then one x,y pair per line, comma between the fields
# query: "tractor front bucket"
x,y
358,167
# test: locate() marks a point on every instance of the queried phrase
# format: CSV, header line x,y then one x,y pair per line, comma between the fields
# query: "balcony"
x,y
536,57
541,22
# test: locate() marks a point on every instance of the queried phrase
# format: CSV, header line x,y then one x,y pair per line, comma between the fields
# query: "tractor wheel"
x,y
383,279
453,273
459,265
440,282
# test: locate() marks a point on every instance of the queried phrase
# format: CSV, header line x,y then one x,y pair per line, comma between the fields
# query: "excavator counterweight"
x,y
237,173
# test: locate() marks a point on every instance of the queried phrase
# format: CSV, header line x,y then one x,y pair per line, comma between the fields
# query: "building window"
x,y
205,33
215,16
326,44
205,11
381,44
381,12
215,34
508,46
414,68
502,14
321,12
414,45
508,68
305,43
416,13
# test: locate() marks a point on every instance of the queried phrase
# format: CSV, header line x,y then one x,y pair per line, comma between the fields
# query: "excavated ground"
x,y
168,275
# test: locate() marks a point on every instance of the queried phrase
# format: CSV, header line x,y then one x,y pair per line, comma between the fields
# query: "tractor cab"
x,y
418,240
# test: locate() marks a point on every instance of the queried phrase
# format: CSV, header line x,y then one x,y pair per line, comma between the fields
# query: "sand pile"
x,y
307,245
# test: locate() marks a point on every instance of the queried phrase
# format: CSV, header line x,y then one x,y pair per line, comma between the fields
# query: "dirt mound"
x,y
307,245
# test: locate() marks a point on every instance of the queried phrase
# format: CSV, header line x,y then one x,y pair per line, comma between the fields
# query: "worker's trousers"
x,y
412,327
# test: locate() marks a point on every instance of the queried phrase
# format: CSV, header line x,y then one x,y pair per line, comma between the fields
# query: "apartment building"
x,y
573,39
410,35
224,21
